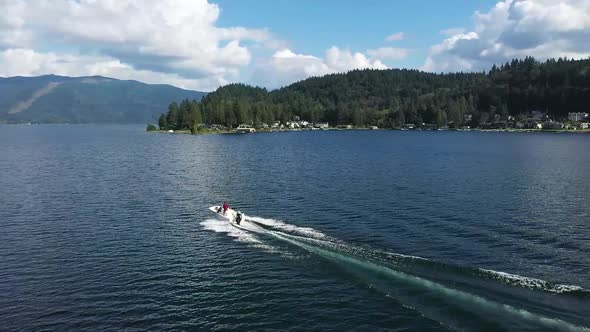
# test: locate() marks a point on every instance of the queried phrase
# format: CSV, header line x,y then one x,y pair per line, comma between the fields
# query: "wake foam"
x,y
240,235
533,283
219,226
407,285
280,225
497,276
249,231
410,274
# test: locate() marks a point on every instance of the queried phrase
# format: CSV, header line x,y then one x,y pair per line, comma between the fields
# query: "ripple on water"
x,y
106,228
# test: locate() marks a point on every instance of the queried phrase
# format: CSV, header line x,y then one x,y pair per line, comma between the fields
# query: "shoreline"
x,y
208,132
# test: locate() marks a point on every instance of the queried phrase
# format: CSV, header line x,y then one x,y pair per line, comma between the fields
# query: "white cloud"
x,y
513,29
343,60
395,37
285,66
452,31
389,53
167,38
27,62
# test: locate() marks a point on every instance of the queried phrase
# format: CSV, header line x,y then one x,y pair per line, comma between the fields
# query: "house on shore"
x,y
577,116
552,125
244,129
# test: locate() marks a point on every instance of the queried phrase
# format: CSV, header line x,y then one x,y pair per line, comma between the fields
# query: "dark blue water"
x,y
107,228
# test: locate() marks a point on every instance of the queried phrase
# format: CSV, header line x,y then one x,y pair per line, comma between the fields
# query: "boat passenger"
x,y
219,209
239,218
225,207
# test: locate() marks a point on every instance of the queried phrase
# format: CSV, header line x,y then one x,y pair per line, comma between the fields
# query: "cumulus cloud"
x,y
516,28
15,62
395,37
285,66
389,53
452,31
151,39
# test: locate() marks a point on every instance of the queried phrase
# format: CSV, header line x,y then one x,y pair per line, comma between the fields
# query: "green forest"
x,y
395,97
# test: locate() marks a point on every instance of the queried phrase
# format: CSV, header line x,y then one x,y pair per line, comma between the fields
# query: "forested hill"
x,y
391,98
93,99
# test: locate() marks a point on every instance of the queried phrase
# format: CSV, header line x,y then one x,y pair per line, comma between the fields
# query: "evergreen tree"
x,y
441,118
454,113
172,116
184,116
379,97
401,118
162,122
230,118
196,118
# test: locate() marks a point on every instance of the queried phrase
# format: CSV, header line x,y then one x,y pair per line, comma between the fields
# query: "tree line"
x,y
187,115
395,97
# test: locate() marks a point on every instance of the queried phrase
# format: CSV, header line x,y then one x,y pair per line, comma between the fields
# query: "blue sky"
x,y
204,44
312,26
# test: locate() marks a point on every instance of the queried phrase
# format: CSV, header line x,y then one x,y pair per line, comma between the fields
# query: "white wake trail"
x,y
289,228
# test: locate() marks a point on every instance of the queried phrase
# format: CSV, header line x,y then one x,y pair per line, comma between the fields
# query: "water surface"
x,y
107,227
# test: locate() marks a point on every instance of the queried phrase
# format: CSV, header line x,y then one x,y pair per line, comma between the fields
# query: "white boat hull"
x,y
229,216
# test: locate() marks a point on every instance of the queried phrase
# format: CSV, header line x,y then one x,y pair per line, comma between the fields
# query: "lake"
x,y
107,228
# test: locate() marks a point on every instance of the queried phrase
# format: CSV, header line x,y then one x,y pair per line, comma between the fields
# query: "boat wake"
x,y
241,234
460,297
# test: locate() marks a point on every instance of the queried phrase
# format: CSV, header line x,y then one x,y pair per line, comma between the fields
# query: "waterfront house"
x,y
552,125
322,125
244,128
577,116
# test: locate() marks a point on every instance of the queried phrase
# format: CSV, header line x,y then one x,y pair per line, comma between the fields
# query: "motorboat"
x,y
230,215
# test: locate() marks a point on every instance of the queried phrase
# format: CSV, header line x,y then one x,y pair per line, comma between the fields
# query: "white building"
x,y
577,116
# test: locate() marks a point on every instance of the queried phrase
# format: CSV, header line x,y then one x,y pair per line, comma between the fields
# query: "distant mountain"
x,y
91,99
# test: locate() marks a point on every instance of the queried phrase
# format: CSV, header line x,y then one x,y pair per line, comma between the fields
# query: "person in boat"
x,y
239,217
225,207
219,209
